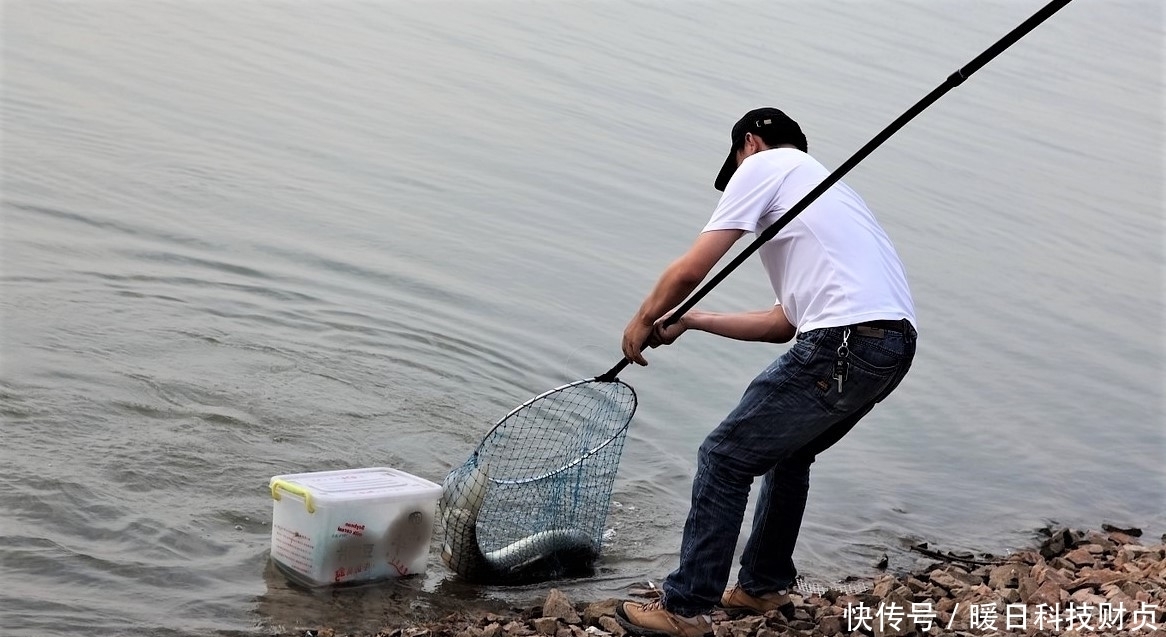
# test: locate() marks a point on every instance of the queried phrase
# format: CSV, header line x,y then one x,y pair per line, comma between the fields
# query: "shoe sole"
x,y
737,612
734,612
635,629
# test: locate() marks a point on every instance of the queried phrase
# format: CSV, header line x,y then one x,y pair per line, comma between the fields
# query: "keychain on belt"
x,y
841,365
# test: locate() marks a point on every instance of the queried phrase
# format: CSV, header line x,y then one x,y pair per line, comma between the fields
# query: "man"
x,y
842,291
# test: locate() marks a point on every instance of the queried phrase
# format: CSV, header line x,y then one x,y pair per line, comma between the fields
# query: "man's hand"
x,y
635,337
666,335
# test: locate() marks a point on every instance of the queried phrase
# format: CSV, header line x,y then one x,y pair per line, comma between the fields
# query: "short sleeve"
x,y
747,197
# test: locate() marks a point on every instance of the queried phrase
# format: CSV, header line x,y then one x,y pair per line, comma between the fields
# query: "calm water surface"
x,y
246,239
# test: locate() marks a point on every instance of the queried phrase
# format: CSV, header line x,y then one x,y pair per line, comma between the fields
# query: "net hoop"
x,y
616,435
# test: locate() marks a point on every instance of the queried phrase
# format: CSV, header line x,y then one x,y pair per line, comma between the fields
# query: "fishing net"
x,y
531,501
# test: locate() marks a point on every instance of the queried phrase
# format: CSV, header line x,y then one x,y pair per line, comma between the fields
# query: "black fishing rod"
x,y
954,80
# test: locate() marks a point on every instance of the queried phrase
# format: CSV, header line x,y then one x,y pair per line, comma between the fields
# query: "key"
x,y
840,369
841,365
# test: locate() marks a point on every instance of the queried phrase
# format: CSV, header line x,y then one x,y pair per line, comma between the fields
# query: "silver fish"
x,y
539,556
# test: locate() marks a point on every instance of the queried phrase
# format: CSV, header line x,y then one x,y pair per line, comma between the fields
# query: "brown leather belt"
x,y
878,329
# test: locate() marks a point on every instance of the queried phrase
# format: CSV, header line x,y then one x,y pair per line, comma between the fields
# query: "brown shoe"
x,y
653,620
737,601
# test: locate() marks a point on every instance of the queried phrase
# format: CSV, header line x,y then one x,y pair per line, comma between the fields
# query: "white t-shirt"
x,y
832,265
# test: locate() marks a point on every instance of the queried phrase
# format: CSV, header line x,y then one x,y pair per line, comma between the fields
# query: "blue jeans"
x,y
788,415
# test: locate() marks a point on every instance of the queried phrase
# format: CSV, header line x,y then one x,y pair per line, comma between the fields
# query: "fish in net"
x,y
530,503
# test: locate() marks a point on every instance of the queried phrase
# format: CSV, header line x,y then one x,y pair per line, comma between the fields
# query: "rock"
x,y
1093,578
1130,531
594,611
545,625
916,585
830,624
883,585
1100,539
1131,588
612,626
1048,593
1086,596
1044,573
1057,543
1005,576
1080,557
515,628
954,579
1122,538
935,592
796,625
1137,552
749,624
1026,557
976,595
557,605
493,629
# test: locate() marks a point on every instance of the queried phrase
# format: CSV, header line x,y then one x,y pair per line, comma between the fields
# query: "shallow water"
x,y
247,239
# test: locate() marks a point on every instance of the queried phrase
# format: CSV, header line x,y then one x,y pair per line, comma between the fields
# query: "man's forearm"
x,y
684,274
675,284
764,325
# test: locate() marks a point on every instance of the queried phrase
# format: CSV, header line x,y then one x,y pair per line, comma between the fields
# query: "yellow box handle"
x,y
276,485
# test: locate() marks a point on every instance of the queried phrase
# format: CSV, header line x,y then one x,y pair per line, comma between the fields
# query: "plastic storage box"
x,y
353,525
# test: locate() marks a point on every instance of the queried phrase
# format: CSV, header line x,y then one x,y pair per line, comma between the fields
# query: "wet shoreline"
x,y
1108,581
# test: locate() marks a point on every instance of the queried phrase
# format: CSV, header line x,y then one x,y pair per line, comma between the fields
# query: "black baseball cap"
x,y
772,126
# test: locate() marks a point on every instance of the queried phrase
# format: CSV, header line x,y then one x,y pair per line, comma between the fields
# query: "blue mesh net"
x,y
530,503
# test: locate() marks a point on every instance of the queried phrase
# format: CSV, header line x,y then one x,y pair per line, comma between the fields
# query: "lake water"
x,y
253,238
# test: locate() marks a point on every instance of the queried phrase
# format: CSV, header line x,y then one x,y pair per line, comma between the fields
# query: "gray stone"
x,y
1048,593
1129,530
884,585
612,626
545,625
1080,557
1006,575
557,605
1056,544
594,611
830,624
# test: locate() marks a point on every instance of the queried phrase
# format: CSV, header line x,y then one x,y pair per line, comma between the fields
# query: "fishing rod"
x,y
953,80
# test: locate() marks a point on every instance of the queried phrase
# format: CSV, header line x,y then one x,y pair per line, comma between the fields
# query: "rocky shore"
x,y
1107,582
